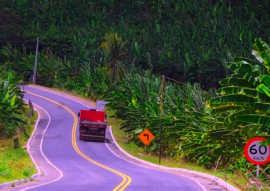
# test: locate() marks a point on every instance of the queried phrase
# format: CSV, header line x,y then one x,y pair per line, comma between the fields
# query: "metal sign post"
x,y
258,171
161,111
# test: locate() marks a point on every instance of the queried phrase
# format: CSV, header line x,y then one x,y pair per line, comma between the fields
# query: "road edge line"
x,y
126,179
41,151
34,176
213,178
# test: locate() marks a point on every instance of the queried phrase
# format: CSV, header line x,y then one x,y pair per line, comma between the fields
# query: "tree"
x,y
114,49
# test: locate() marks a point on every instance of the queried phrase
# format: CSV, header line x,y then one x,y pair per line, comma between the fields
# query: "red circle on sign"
x,y
254,142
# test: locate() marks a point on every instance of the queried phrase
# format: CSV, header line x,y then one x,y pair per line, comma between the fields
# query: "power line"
x,y
175,81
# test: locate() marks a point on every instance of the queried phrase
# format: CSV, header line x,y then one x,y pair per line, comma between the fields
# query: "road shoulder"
x,y
48,173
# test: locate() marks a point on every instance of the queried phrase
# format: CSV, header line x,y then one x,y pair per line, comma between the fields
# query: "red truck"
x,y
92,125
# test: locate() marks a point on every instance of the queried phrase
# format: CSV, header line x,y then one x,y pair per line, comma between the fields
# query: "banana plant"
x,y
11,104
135,101
245,94
114,49
93,81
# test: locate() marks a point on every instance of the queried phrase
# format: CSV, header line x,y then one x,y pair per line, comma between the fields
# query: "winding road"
x,y
79,165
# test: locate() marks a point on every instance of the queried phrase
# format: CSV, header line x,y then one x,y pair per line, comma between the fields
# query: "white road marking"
x,y
160,168
69,97
41,150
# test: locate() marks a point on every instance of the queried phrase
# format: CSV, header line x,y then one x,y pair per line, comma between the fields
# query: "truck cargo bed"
x,y
92,125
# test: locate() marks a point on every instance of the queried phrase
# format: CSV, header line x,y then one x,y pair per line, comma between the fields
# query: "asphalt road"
x,y
91,165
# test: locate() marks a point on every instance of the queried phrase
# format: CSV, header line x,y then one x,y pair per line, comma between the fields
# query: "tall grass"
x,y
15,164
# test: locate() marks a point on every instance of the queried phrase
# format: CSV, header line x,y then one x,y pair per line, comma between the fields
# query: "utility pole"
x,y
161,111
35,65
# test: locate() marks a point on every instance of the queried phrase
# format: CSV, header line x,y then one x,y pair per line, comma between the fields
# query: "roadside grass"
x,y
16,164
238,179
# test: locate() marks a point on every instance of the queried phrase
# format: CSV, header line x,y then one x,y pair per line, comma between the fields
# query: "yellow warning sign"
x,y
146,137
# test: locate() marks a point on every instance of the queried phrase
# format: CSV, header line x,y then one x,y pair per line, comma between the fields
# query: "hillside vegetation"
x,y
214,56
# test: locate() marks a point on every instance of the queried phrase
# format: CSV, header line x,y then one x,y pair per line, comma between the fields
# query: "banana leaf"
x,y
261,108
244,69
230,100
262,52
239,90
233,81
255,118
266,80
232,117
263,88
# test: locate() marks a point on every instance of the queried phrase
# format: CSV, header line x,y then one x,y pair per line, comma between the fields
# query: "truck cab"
x,y
92,125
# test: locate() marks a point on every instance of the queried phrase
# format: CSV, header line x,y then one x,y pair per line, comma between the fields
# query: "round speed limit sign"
x,y
257,153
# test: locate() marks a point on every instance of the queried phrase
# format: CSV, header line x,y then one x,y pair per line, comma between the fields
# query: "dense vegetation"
x,y
187,40
16,164
11,104
15,121
118,50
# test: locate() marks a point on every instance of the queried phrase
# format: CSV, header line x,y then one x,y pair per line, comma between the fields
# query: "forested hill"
x,y
187,40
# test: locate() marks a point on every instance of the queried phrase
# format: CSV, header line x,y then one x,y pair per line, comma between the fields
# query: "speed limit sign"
x,y
257,153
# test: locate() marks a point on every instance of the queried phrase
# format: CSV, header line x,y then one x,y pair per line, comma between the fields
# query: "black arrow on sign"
x,y
146,135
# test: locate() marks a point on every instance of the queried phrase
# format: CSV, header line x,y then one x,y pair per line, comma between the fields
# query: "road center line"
x,y
126,179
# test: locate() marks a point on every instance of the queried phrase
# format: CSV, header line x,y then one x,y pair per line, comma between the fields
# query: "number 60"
x,y
262,150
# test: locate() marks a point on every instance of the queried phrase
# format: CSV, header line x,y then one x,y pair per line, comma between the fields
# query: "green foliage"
x,y
14,164
114,50
11,104
5,172
13,59
93,81
249,92
244,101
187,40
136,101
